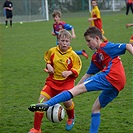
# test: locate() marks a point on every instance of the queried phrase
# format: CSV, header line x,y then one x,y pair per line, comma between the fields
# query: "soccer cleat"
x,y
70,124
84,54
38,107
33,130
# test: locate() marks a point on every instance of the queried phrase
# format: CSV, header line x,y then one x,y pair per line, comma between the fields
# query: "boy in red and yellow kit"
x,y
95,19
63,66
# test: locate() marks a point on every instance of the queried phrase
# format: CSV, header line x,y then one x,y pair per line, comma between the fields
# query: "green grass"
x,y
21,63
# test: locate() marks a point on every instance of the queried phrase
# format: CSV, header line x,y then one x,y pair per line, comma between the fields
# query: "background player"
x,y
129,4
102,75
59,25
8,7
95,19
63,66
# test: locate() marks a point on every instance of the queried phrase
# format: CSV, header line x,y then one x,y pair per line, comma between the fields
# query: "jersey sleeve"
x,y
68,26
56,32
98,13
77,65
93,69
47,56
115,49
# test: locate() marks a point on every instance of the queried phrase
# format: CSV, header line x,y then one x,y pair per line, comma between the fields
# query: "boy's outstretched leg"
x,y
62,97
38,107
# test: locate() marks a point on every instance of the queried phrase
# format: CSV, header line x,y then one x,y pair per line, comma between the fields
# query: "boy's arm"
x,y
73,33
90,19
129,25
70,27
129,48
53,33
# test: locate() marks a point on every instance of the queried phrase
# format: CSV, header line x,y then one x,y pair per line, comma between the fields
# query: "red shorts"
x,y
53,88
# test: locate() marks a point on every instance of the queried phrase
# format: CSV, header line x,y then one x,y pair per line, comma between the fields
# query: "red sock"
x,y
70,111
38,119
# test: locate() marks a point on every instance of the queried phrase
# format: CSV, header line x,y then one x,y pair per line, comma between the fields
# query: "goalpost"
x,y
116,5
42,14
30,11
45,9
89,1
37,10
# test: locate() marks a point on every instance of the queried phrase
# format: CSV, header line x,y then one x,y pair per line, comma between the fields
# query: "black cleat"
x,y
38,107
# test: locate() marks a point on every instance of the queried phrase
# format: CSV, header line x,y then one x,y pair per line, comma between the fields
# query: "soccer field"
x,y
22,77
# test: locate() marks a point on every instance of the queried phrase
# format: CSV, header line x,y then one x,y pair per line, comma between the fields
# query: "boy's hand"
x,y
73,36
50,69
127,25
65,74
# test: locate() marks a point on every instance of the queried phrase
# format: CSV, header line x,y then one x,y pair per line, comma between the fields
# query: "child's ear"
x,y
97,37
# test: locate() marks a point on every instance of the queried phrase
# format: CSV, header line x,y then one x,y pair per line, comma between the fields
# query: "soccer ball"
x,y
21,22
55,113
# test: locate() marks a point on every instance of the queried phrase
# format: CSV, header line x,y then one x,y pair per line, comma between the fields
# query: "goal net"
x,y
28,10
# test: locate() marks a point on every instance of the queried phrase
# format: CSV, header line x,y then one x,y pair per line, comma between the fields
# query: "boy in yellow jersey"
x,y
131,39
95,19
63,66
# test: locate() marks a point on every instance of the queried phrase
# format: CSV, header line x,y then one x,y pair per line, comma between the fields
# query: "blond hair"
x,y
65,33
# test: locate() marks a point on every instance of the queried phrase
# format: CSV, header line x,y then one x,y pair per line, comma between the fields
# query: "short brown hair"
x,y
93,0
93,32
56,12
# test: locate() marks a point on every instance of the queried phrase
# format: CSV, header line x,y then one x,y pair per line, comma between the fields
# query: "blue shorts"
x,y
98,82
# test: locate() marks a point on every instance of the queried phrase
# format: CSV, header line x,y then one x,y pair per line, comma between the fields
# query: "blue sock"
x,y
78,52
62,97
95,122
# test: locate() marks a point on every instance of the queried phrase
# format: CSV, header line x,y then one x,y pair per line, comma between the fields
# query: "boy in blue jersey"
x,y
106,74
59,25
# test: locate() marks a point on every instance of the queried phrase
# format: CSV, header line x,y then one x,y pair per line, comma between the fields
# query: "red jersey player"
x,y
105,74
59,25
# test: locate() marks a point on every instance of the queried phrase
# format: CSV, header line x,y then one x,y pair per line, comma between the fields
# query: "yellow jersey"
x,y
63,61
95,13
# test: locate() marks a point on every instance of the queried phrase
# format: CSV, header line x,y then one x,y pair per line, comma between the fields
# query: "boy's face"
x,y
64,43
56,19
94,3
92,43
